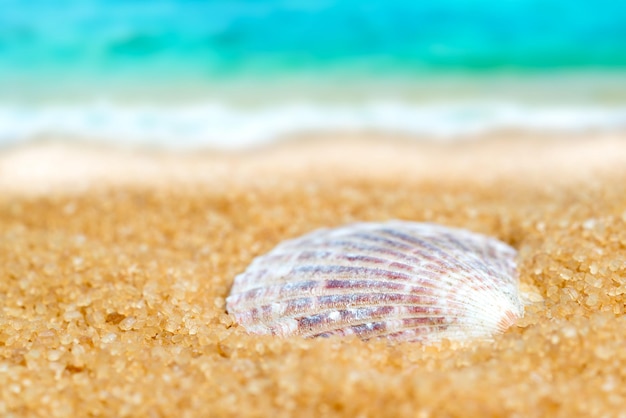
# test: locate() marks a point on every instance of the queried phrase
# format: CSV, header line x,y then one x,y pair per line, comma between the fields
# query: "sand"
x,y
114,267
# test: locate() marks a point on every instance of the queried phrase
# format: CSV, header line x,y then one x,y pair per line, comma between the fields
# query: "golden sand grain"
x,y
112,299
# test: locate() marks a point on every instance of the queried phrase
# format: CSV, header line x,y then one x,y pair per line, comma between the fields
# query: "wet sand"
x,y
114,267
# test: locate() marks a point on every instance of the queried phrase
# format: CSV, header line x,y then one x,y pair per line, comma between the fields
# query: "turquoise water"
x,y
226,38
120,66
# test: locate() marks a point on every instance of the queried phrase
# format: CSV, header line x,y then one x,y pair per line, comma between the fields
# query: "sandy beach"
x,y
115,265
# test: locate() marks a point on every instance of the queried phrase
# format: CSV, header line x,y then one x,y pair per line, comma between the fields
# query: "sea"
x,y
235,74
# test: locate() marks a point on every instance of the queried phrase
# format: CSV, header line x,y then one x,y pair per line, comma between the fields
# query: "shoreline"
x,y
220,126
559,86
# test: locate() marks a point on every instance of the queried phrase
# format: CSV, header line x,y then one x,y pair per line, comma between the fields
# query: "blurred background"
x,y
233,74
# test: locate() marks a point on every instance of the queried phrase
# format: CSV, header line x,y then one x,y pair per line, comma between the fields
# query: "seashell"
x,y
401,280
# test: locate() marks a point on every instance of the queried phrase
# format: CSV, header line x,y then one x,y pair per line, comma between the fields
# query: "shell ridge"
x,y
293,308
410,311
487,253
441,249
279,292
399,280
301,307
406,241
390,325
380,329
409,257
471,243
412,258
450,259
413,285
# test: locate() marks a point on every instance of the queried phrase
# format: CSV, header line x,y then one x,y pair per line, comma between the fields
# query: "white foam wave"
x,y
217,126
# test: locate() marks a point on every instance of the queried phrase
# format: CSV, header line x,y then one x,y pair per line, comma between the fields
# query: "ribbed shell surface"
x,y
400,280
